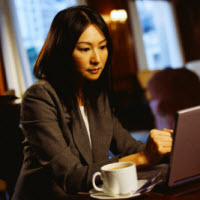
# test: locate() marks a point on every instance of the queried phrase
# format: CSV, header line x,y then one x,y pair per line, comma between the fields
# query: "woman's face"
x,y
90,54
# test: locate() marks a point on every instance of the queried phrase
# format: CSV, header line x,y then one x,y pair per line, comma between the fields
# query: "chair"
x,y
3,190
11,153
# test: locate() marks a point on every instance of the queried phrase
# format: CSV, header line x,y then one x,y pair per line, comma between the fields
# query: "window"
x,y
157,40
34,19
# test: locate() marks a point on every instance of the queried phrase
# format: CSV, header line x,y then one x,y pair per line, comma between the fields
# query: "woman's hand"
x,y
158,144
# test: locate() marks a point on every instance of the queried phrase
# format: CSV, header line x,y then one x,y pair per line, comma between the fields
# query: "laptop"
x,y
185,159
184,163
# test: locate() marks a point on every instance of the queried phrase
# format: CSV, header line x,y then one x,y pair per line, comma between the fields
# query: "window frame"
x,y
15,58
138,40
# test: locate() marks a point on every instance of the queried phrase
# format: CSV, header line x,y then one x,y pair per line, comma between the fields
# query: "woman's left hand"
x,y
158,144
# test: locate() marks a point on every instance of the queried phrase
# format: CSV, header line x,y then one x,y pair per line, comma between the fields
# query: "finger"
x,y
158,132
168,130
167,141
161,148
165,145
162,142
164,150
162,139
161,136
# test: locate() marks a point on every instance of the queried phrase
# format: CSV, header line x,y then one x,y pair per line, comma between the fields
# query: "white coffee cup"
x,y
118,178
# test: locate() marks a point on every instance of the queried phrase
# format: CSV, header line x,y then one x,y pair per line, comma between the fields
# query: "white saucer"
x,y
104,196
101,195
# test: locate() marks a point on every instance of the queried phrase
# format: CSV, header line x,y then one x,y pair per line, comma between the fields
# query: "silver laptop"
x,y
185,159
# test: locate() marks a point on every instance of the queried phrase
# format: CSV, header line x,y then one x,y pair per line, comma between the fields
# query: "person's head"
x,y
78,46
172,90
90,54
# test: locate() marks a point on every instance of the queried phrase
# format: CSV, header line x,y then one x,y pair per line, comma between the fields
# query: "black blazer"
x,y
58,158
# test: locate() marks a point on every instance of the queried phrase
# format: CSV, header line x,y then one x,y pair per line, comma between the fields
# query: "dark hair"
x,y
175,89
54,61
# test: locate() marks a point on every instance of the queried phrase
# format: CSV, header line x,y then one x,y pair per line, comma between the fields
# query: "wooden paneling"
x,y
188,14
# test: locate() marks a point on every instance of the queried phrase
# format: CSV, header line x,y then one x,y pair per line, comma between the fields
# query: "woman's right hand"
x,y
159,143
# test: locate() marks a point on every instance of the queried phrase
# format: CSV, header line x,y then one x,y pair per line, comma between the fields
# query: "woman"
x,y
66,116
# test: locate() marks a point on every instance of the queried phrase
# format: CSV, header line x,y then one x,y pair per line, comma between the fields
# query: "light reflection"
x,y
118,15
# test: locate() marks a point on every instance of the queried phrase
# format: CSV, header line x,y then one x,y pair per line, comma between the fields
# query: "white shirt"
x,y
85,119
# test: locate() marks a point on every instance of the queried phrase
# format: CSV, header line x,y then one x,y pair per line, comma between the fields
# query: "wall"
x,y
188,14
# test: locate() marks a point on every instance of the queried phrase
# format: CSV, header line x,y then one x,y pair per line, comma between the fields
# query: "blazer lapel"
x,y
79,132
81,136
101,131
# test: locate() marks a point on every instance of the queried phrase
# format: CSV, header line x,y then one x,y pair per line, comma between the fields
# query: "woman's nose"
x,y
95,58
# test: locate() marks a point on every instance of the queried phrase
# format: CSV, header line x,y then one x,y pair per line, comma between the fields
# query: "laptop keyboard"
x,y
162,169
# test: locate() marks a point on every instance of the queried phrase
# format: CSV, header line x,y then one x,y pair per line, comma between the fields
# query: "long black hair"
x,y
54,61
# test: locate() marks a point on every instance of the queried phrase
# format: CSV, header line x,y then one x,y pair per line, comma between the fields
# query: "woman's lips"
x,y
94,71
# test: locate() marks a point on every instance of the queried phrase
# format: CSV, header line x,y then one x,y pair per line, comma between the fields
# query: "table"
x,y
187,192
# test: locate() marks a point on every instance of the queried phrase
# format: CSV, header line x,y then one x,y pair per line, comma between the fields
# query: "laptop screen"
x,y
185,158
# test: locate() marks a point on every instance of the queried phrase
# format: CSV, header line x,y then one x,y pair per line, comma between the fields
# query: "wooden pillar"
x,y
2,74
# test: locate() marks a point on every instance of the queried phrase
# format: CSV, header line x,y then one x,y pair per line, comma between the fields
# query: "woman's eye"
x,y
84,49
103,47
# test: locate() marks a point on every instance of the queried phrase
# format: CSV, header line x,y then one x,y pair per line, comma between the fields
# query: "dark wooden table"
x,y
187,192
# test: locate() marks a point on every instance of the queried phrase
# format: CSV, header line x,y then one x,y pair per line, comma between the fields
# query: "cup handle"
x,y
93,181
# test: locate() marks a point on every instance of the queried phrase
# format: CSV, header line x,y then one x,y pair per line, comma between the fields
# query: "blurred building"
x,y
35,17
